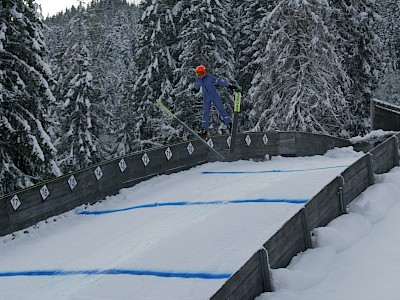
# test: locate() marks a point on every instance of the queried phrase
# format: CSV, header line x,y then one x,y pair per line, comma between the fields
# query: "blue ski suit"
x,y
211,96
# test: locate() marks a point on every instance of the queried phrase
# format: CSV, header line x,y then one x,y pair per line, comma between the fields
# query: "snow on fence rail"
x,y
295,235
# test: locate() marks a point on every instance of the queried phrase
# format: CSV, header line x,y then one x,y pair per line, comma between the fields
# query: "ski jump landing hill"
x,y
27,207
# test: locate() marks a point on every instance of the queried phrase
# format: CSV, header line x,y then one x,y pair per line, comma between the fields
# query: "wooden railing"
x,y
294,236
385,116
27,207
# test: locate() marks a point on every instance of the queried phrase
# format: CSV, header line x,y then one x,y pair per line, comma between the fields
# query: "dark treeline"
x,y
79,87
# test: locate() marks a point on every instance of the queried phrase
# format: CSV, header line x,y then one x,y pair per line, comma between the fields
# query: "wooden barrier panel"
x,y
357,178
385,155
4,213
385,116
397,155
317,144
250,281
249,145
51,198
325,206
256,145
287,242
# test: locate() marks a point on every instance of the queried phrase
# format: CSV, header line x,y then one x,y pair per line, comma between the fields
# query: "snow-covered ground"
x,y
181,236
355,256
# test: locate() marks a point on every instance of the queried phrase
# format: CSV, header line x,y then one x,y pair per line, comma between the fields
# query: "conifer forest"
x,y
80,87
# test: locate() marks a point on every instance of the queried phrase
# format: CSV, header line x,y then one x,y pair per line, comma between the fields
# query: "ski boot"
x,y
204,134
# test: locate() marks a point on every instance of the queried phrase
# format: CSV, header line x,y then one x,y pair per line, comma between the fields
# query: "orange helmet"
x,y
201,71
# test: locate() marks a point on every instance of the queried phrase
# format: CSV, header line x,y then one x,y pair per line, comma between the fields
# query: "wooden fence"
x,y
27,207
294,236
385,116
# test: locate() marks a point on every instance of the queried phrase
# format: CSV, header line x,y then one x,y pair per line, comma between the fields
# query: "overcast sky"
x,y
51,7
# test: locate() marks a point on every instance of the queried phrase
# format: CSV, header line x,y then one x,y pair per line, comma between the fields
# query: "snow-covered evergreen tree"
x,y
389,90
81,114
26,150
364,57
113,31
156,65
204,39
302,83
247,16
115,58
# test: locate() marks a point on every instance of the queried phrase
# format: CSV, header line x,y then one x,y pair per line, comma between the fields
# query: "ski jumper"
x,y
211,96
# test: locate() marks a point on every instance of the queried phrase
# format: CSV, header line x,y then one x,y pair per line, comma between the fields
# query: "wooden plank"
x,y
287,144
88,189
355,185
386,117
272,144
355,168
307,144
332,142
4,219
257,148
246,283
286,243
324,207
384,163
381,149
317,144
29,197
384,156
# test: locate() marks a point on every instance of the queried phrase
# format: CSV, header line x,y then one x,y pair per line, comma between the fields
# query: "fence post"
x,y
342,206
372,113
267,286
306,229
371,179
396,150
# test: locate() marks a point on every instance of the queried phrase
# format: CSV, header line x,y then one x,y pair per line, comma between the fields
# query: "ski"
x,y
172,115
237,104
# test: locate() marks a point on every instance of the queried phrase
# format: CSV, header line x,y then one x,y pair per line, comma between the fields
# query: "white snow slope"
x,y
173,237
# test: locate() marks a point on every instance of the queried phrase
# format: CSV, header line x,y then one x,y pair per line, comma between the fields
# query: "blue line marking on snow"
x,y
186,203
268,171
52,273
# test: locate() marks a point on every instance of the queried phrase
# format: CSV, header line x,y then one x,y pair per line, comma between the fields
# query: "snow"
x,y
181,236
372,135
355,256
36,149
